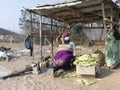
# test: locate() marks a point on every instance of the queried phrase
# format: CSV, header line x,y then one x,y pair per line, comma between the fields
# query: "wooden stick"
x,y
106,19
104,22
17,73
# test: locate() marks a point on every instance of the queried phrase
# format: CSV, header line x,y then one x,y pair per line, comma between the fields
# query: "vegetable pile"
x,y
84,82
86,60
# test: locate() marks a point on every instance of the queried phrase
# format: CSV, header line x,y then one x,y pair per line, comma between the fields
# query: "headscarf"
x,y
65,38
66,34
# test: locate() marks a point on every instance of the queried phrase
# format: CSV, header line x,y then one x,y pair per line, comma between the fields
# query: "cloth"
x,y
63,57
116,34
65,34
71,47
112,54
65,47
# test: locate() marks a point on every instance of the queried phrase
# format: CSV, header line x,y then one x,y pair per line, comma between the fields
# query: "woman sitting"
x,y
64,57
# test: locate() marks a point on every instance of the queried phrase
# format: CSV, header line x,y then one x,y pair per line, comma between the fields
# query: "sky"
x,y
10,11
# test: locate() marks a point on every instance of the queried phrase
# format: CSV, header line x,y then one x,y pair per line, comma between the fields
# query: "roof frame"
x,y
66,12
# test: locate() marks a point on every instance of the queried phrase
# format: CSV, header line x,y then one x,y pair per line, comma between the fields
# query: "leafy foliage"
x,y
28,22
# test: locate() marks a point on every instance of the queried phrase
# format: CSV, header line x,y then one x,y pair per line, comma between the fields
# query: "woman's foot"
x,y
58,73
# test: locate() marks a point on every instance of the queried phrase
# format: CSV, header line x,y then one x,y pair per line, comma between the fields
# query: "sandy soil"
x,y
107,80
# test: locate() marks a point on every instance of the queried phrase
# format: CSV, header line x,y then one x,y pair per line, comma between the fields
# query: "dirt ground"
x,y
107,80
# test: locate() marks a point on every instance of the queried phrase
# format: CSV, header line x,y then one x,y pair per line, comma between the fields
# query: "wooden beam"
x,y
104,22
48,24
94,8
40,33
52,40
31,37
77,12
103,12
78,19
99,13
110,21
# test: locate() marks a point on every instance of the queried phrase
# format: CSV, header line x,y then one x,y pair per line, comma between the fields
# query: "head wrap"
x,y
67,40
65,34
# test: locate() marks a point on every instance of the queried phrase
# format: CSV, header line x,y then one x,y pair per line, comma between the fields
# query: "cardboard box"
x,y
91,70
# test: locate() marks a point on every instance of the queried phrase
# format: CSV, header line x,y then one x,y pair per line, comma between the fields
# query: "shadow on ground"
x,y
104,72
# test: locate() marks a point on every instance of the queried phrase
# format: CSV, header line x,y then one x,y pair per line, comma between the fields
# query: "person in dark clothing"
x,y
116,32
28,44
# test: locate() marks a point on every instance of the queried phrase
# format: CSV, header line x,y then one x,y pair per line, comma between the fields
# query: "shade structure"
x,y
79,11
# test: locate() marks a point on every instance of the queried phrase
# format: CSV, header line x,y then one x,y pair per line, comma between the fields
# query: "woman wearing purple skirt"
x,y
65,55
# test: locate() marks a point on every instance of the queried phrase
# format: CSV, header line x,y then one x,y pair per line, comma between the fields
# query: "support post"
x,y
31,37
104,22
52,38
111,18
41,38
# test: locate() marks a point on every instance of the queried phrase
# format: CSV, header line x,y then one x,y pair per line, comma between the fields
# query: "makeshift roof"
x,y
77,11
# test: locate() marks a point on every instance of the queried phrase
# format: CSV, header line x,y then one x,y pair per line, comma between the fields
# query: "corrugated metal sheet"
x,y
76,11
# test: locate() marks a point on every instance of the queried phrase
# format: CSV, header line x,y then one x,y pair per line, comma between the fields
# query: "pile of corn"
x,y
86,60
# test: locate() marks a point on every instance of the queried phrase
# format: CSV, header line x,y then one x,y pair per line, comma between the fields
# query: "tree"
x,y
28,24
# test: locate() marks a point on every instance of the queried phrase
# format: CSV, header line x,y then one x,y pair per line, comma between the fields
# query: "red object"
x,y
65,34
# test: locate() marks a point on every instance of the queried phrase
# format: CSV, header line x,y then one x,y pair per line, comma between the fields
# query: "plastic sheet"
x,y
112,54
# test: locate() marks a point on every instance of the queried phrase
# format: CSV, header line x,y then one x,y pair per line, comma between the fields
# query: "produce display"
x,y
86,60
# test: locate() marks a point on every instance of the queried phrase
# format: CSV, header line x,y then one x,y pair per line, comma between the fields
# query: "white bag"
x,y
3,54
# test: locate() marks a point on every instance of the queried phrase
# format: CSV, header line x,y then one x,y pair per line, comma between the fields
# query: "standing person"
x,y
116,32
28,44
64,56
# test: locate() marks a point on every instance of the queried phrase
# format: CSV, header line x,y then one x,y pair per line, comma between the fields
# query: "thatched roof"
x,y
76,11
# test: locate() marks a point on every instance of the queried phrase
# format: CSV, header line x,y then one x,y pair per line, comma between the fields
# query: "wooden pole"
x,y
104,22
108,20
111,18
101,35
31,50
11,40
41,38
52,38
